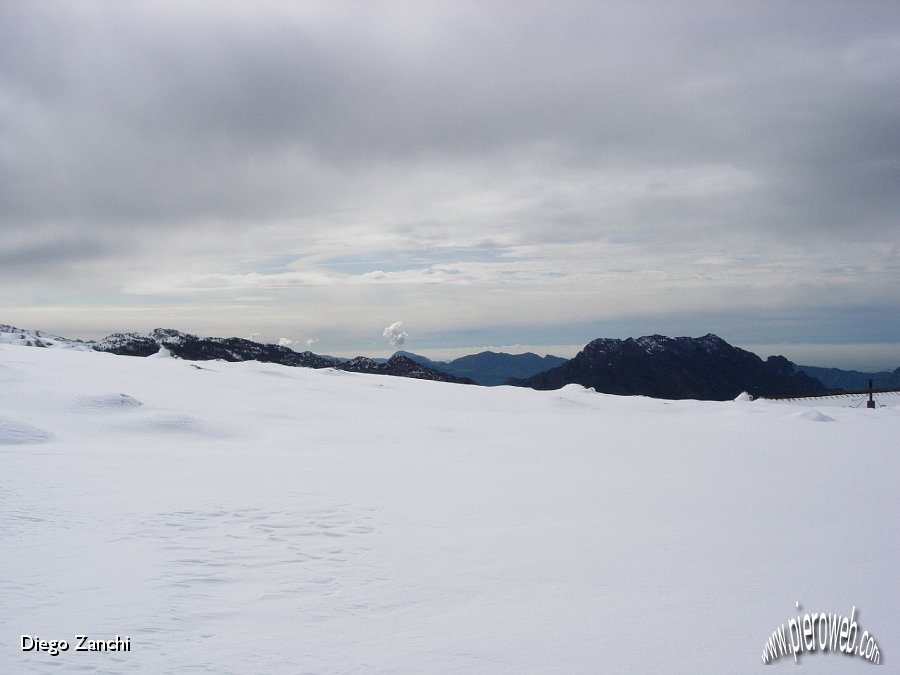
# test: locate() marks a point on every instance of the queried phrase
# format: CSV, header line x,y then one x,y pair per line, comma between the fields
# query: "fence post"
x,y
871,402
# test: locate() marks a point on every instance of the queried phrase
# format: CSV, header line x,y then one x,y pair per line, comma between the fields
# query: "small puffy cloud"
x,y
394,333
253,336
311,341
285,342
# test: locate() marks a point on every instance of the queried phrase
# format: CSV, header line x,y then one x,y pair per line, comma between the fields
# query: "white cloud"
x,y
395,334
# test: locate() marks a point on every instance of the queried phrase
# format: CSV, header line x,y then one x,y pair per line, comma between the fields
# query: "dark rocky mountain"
x,y
850,380
194,348
491,368
675,368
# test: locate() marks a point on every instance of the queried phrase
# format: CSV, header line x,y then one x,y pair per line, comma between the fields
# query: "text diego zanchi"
x,y
80,643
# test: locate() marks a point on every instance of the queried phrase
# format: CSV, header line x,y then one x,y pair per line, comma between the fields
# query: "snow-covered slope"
x,y
32,338
247,517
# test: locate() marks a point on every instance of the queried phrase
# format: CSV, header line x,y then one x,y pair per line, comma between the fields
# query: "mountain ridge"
x,y
775,375
674,368
489,368
835,378
194,348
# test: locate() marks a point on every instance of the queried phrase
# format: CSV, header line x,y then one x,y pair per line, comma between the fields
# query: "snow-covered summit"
x,y
658,344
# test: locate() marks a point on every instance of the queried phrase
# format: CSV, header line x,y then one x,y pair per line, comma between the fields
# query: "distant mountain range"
x,y
654,365
850,380
491,368
675,368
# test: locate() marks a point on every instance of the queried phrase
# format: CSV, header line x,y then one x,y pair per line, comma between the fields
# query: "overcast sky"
x,y
484,173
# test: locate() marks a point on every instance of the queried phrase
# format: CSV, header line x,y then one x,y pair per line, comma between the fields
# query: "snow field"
x,y
249,517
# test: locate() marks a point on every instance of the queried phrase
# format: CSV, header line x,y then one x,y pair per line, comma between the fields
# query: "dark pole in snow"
x,y
871,402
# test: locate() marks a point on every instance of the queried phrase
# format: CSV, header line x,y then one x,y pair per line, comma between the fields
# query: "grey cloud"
x,y
147,112
686,128
32,256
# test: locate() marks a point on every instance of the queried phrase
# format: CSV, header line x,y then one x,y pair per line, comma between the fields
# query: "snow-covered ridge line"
x,y
194,348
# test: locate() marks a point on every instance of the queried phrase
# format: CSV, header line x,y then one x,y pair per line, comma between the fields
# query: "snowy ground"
x,y
252,518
